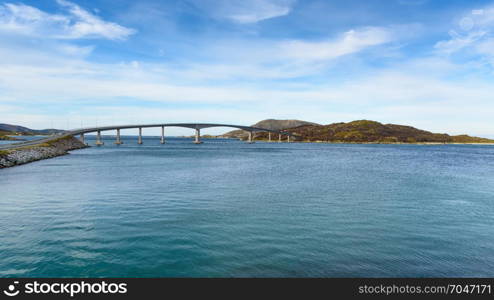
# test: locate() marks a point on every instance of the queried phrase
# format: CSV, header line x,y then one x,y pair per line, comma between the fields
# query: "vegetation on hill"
x,y
6,136
7,131
20,130
364,131
268,124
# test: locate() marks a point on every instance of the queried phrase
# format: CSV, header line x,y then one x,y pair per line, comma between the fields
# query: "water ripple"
x,y
225,208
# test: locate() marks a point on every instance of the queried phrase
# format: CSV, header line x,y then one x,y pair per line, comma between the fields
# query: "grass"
x,y
4,152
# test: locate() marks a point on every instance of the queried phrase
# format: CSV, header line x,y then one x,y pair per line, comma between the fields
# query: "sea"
x,y
226,208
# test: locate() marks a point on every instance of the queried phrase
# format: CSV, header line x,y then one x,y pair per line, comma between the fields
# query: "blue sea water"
x,y
230,209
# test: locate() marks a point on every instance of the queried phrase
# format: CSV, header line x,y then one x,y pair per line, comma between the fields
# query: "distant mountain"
x,y
364,131
15,129
268,124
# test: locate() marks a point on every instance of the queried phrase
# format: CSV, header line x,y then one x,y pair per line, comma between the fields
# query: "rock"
x,y
22,155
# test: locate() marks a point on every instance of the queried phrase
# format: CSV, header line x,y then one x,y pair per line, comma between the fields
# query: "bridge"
x,y
196,126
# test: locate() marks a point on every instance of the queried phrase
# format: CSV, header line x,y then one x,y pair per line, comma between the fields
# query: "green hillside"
x,y
364,131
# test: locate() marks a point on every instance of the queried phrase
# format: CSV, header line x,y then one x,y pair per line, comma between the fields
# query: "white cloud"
x,y
472,35
459,42
75,51
89,25
485,16
246,11
58,74
77,23
267,59
258,10
486,47
405,96
350,42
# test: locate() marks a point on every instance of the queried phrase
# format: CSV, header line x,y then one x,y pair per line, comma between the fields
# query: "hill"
x,y
268,124
6,136
20,130
364,131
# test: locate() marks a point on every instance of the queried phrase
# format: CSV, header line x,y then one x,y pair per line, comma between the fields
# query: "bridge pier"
x,y
251,140
118,141
198,136
288,138
99,142
269,136
197,126
162,141
139,140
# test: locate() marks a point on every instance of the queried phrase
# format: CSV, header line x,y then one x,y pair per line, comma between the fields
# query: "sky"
x,y
424,63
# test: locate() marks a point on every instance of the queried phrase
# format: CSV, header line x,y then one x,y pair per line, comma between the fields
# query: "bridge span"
x,y
196,126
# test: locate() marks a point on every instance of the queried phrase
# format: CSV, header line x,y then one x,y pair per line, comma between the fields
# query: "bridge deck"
x,y
107,128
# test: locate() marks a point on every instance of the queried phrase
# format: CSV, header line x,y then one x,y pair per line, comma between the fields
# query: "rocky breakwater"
x,y
26,154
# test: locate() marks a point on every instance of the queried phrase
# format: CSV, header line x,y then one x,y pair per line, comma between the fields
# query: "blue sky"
x,y
425,63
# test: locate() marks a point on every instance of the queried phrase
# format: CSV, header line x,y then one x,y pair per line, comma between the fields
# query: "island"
x,y
7,136
360,131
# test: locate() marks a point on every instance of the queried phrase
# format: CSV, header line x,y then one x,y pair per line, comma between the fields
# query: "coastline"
x,y
62,146
9,138
27,154
374,143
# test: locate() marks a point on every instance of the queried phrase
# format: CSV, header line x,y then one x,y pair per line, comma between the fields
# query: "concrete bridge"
x,y
196,126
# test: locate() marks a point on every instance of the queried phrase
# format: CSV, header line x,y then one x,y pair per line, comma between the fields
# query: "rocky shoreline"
x,y
27,154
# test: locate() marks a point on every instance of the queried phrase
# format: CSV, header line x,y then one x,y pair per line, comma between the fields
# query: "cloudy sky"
x,y
425,63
